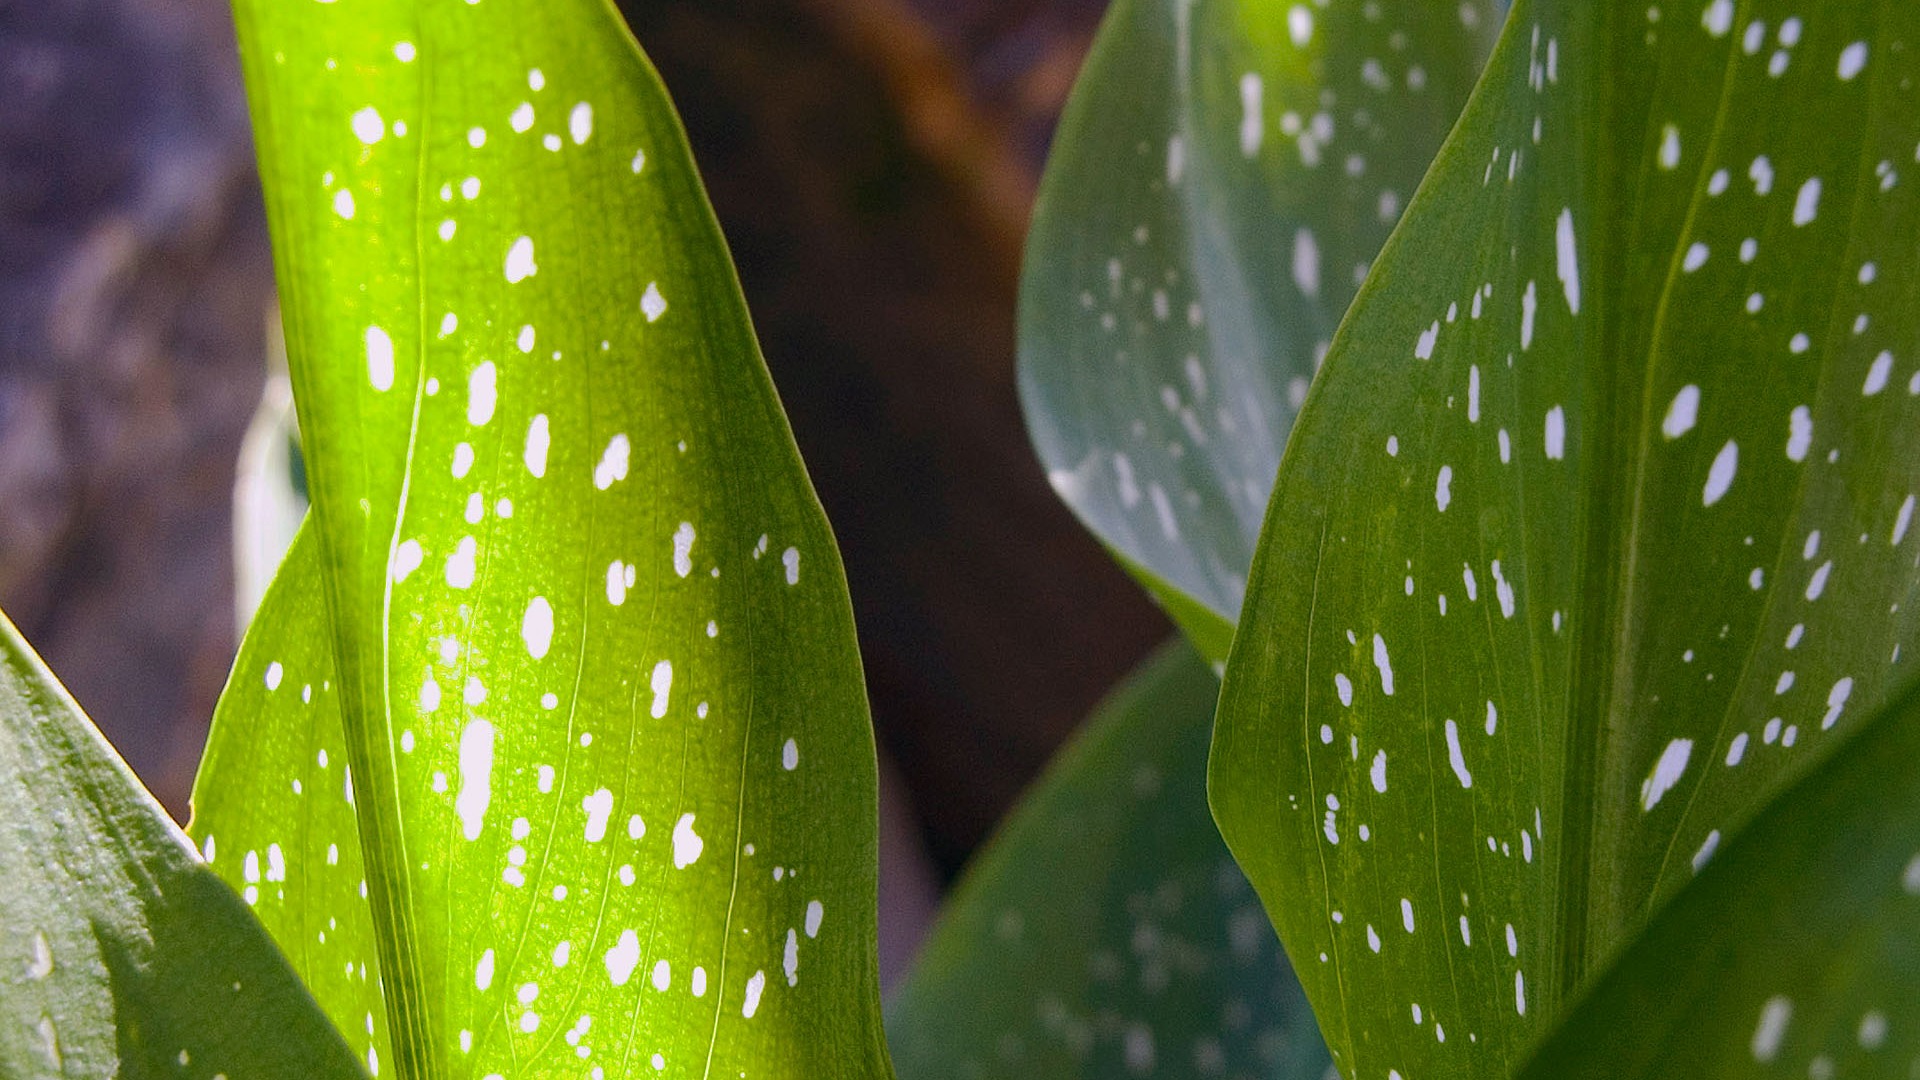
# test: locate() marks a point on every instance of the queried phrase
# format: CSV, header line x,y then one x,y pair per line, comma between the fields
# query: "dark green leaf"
x,y
1221,180
590,645
120,955
1796,953
1106,932
1595,529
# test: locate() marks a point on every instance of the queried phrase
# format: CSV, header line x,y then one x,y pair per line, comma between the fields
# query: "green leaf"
x,y
1222,177
591,649
1814,974
273,808
1595,528
1106,931
121,954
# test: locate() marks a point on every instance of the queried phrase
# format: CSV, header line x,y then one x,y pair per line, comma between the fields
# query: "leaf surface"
x,y
588,638
273,806
1816,974
121,954
1106,931
1222,178
1595,529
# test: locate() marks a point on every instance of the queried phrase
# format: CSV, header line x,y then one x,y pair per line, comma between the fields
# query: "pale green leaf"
x,y
120,955
1105,931
1221,179
1796,953
591,648
1595,528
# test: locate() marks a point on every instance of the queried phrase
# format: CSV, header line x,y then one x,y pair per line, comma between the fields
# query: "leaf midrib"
x,y
409,1009
1594,919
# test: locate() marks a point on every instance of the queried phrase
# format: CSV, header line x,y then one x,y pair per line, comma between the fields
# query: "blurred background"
x,y
872,162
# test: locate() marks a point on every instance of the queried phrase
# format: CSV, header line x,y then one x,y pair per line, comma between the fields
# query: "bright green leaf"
x,y
1797,951
273,811
1106,932
1221,180
1595,528
591,647
120,955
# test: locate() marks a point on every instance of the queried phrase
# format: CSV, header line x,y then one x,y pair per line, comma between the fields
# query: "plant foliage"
x,y
1593,535
1106,931
550,754
1221,181
121,954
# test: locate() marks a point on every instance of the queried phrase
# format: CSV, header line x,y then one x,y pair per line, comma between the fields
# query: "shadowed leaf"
x,y
1106,931
1221,180
1815,973
1594,532
121,955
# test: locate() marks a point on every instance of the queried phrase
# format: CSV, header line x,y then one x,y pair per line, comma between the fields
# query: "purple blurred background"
x,y
872,162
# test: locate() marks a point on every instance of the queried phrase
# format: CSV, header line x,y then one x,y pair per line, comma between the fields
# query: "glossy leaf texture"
x,y
1221,180
1595,530
1796,953
121,954
1106,931
588,638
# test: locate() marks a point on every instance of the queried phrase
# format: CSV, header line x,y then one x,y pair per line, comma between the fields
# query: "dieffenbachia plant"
x,y
1105,931
549,753
1594,536
1220,184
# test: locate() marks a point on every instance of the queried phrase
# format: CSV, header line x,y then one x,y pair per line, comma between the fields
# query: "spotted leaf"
x,y
1594,532
1222,178
1106,931
600,717
1815,974
274,808
121,954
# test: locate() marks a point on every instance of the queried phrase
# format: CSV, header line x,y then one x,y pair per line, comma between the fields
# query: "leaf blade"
x,y
1105,930
1513,496
1814,975
123,953
538,430
1222,174
271,811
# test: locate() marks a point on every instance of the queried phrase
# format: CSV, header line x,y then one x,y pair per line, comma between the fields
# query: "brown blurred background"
x,y
872,162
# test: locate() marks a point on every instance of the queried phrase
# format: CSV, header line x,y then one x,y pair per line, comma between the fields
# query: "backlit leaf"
x,y
1595,529
273,808
590,644
120,955
1796,953
1225,173
1106,932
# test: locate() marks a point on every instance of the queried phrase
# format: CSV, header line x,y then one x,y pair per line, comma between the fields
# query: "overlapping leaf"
x,y
121,955
1596,528
273,806
1106,932
1795,953
1221,180
600,718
